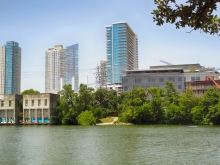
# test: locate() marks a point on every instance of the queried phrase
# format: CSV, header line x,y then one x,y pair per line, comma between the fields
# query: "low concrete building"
x,y
10,108
39,108
153,77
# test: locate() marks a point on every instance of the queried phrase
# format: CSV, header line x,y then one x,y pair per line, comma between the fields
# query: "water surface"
x,y
157,144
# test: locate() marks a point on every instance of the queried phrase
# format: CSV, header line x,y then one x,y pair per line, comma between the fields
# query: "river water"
x,y
105,145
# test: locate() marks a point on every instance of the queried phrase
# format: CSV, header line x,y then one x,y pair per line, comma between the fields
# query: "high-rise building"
x,y
72,72
103,74
61,67
121,51
54,69
10,68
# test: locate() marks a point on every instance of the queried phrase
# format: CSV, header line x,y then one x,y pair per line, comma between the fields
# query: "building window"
x,y
39,102
151,79
179,79
125,80
161,79
32,102
172,79
195,78
180,87
125,88
138,80
9,103
2,103
45,102
26,102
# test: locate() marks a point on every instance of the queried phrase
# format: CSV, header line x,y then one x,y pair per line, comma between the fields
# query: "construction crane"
x,y
165,62
210,78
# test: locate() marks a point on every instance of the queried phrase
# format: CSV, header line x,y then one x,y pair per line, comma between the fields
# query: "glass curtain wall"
x,y
72,65
12,68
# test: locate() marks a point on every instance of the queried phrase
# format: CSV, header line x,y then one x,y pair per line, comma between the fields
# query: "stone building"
x,y
39,108
10,108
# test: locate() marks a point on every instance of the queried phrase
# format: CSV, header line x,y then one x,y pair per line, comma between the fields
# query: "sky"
x,y
40,24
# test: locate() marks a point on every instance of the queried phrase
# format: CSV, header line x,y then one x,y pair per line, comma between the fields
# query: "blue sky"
x,y
40,24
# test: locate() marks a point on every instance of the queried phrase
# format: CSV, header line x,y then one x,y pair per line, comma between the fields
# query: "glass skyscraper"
x,y
10,68
121,51
72,72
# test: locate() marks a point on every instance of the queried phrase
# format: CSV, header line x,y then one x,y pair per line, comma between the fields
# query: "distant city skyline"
x,y
38,25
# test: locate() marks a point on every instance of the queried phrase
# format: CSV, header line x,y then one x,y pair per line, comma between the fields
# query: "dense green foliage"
x,y
196,14
139,106
30,91
86,118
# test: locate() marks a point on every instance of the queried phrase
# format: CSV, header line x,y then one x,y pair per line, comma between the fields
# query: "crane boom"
x,y
210,78
165,62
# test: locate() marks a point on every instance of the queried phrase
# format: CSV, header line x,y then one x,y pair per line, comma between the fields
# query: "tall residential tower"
x,y
61,67
121,51
10,68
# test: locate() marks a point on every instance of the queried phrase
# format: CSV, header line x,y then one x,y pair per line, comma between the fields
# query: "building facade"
x,y
121,51
183,76
39,108
61,67
72,65
200,87
10,68
54,68
153,77
9,109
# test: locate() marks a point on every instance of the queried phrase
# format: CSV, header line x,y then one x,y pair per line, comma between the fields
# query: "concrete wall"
x,y
148,80
9,109
39,108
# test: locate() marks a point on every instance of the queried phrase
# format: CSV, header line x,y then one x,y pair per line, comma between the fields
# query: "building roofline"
x,y
154,69
177,64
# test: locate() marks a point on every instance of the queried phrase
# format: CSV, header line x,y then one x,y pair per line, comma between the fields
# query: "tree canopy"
x,y
30,91
196,14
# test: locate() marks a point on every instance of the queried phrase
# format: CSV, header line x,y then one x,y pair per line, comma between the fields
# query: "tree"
x,y
196,14
156,104
207,111
181,113
171,95
67,113
29,91
86,118
84,100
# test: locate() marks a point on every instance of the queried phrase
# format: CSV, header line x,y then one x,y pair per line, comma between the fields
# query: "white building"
x,y
54,69
61,67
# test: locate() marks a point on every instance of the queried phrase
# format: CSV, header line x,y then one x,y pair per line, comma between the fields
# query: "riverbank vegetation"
x,y
140,106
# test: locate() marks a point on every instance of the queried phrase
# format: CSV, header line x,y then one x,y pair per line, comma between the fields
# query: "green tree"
x,y
66,109
84,100
29,91
171,95
207,111
86,118
156,103
196,14
135,108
